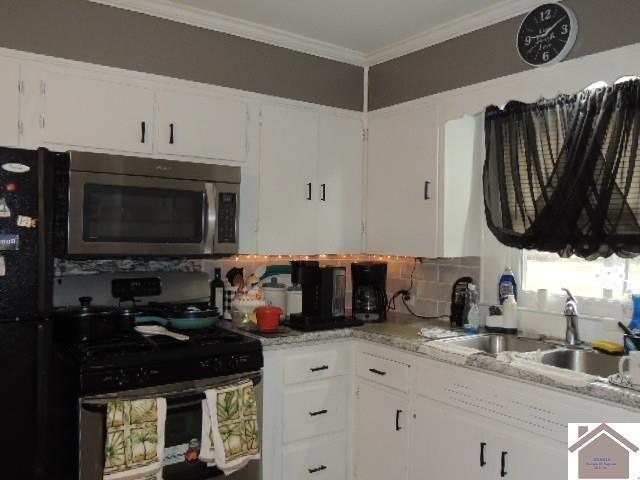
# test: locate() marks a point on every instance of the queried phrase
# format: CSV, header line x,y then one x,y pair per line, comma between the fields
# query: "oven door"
x,y
111,214
182,430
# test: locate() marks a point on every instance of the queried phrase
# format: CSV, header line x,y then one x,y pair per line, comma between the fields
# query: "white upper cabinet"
x,y
92,113
402,182
310,182
201,126
9,103
339,178
287,207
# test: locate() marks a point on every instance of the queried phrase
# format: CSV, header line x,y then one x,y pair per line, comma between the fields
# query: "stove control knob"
x,y
142,375
122,378
205,363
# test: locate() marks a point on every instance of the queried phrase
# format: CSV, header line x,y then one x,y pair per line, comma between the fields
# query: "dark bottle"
x,y
217,292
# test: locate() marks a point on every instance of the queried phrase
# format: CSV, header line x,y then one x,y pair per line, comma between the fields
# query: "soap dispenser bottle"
x,y
507,286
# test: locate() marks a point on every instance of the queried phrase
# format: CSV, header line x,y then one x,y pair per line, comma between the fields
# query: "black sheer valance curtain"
x,y
561,175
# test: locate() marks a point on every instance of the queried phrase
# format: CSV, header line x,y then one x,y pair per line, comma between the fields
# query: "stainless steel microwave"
x,y
108,205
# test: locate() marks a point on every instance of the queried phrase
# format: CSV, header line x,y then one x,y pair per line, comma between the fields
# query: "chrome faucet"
x,y
572,337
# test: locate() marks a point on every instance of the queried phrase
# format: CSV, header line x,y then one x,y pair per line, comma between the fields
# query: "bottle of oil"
x,y
217,292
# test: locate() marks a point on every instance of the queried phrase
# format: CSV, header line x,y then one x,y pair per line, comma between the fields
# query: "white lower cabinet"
x,y
321,459
381,433
452,444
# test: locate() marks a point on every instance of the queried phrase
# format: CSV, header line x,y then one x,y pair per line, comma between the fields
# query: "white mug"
x,y
634,367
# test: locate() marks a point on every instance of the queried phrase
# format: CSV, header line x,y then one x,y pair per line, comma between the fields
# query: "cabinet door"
x,y
95,113
381,433
446,444
526,458
201,126
9,103
339,184
288,190
402,189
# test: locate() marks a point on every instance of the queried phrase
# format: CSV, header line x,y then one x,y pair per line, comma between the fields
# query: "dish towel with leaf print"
x,y
230,432
134,445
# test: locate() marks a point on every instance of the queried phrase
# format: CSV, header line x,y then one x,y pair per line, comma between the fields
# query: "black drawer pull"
x,y
398,427
377,372
323,194
308,191
143,131
319,369
316,470
171,136
482,461
319,412
503,465
426,190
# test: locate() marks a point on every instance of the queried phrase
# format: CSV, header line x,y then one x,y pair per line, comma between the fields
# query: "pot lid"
x,y
86,310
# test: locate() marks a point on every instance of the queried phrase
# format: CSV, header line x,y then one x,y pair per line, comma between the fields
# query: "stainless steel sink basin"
x,y
582,361
497,343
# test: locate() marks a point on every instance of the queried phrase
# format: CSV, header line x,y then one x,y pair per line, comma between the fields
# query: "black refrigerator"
x,y
26,273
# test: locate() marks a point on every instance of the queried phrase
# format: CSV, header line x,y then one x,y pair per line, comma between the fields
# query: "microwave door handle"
x,y
210,220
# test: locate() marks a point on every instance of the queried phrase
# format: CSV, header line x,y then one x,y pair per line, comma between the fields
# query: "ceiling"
x,y
360,31
360,25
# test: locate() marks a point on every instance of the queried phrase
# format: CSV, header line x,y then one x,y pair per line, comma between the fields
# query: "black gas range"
x,y
128,366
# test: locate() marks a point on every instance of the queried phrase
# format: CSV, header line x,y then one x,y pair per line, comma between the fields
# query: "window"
x,y
608,278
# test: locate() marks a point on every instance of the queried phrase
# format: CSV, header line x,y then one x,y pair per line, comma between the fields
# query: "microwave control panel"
x,y
227,217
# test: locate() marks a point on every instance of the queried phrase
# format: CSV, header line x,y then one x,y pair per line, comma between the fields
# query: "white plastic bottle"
x,y
510,315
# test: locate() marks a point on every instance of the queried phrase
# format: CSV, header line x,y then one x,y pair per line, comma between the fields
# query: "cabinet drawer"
x,y
315,409
304,367
323,459
385,372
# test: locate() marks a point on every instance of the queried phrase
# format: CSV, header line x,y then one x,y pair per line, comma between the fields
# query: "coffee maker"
x,y
369,291
323,297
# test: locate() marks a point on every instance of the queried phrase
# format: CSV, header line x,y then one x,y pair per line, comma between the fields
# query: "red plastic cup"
x,y
268,318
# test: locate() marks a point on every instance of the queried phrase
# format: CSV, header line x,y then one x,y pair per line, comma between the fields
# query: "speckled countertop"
x,y
401,331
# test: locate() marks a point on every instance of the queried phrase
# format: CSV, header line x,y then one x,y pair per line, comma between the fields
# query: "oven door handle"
x,y
211,217
255,377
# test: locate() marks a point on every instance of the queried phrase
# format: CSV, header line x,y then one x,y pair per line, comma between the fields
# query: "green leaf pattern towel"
x,y
135,437
233,425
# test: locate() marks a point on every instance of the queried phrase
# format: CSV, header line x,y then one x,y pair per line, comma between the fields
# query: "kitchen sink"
x,y
497,343
582,361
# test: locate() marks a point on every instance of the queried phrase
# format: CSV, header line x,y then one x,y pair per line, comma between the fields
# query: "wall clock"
x,y
547,34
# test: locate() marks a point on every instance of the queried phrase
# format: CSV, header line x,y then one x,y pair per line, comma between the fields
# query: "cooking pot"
x,y
87,322
268,318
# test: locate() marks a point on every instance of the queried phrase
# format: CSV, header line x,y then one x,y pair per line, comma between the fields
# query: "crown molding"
x,y
456,28
170,10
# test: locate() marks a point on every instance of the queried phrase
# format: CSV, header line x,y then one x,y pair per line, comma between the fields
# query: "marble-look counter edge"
x,y
599,391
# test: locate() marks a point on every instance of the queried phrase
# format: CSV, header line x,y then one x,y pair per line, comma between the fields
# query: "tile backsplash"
x,y
432,278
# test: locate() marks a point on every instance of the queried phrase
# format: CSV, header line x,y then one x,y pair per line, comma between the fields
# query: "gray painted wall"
x,y
88,32
491,53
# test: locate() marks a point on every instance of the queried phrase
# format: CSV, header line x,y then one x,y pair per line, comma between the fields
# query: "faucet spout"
x,y
572,336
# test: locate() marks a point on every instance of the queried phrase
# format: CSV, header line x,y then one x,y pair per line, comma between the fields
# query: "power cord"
x,y
406,294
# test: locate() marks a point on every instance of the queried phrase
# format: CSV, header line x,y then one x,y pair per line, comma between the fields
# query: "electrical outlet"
x,y
410,297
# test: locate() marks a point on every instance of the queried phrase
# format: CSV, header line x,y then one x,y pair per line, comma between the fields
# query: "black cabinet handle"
x,y
482,461
316,470
503,465
143,131
426,190
319,412
323,194
171,136
319,369
398,427
308,191
377,372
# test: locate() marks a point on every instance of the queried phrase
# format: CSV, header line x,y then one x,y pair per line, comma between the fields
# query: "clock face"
x,y
547,34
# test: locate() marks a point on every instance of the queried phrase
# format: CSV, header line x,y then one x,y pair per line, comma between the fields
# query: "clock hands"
x,y
548,30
